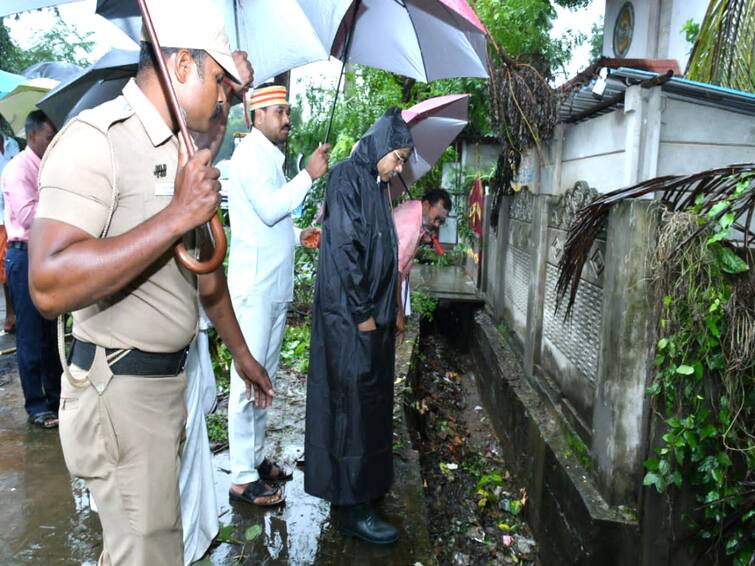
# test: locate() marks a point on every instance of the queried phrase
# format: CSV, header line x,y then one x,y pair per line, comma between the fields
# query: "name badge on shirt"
x,y
163,189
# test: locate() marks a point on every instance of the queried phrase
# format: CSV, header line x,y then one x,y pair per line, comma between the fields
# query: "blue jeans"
x,y
36,340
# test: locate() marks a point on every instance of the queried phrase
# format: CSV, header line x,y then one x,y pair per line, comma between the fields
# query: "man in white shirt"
x,y
260,277
8,150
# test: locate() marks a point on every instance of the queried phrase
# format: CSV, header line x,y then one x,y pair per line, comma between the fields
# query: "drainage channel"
x,y
475,506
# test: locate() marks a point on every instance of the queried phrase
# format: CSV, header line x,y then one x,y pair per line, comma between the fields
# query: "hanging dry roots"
x,y
525,111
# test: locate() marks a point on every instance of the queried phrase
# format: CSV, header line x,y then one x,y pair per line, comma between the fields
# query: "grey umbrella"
x,y
56,70
8,7
99,83
124,14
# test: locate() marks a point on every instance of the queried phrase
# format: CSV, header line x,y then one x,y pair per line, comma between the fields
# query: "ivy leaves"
x,y
699,395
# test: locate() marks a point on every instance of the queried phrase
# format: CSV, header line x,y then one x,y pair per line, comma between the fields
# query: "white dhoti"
x,y
406,296
262,322
199,514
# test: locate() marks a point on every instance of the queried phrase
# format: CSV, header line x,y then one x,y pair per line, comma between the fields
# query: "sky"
x,y
81,14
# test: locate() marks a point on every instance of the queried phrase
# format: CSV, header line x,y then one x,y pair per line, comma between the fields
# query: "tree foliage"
x,y
62,42
723,53
596,40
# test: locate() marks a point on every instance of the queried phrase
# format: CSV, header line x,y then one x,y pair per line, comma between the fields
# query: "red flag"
x,y
476,203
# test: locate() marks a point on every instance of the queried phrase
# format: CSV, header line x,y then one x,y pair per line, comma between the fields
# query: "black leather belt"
x,y
17,244
136,362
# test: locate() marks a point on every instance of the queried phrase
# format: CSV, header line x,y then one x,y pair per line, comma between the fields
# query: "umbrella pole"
x,y
216,226
406,187
345,58
236,23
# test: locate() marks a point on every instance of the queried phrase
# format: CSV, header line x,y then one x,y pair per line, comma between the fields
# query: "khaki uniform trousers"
x,y
122,435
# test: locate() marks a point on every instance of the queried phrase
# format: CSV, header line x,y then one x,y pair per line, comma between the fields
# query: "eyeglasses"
x,y
400,158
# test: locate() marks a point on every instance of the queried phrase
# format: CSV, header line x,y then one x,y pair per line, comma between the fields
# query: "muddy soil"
x,y
475,507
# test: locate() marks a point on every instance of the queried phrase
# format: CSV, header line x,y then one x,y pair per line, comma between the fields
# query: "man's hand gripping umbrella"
x,y
193,167
216,226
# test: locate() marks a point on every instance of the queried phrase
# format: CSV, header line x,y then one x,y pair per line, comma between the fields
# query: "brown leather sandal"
x,y
260,494
266,469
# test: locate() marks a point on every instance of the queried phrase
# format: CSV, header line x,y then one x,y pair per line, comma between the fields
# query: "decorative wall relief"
x,y
575,342
522,206
519,253
565,209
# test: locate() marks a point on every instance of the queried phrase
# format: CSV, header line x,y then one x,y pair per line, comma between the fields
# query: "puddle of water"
x,y
48,519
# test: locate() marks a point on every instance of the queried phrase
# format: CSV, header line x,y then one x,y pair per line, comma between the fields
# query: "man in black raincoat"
x,y
349,432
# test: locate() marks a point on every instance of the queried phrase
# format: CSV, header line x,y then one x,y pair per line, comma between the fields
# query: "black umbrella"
x,y
123,13
99,83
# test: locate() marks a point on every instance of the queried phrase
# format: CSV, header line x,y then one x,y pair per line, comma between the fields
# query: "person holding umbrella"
x,y
102,246
349,423
260,277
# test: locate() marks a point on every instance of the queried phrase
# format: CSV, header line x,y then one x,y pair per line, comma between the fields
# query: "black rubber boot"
x,y
361,521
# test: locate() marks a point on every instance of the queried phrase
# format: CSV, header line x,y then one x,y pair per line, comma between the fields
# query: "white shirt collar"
x,y
267,146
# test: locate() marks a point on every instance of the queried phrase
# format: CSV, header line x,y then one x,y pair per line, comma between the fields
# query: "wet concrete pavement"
x,y
449,283
47,519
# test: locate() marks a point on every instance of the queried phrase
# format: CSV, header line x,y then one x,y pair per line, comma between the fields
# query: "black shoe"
x,y
362,522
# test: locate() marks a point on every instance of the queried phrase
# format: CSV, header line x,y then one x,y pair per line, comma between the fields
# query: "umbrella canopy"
x,y
99,83
275,43
278,44
57,70
8,7
9,81
124,14
15,107
422,39
434,124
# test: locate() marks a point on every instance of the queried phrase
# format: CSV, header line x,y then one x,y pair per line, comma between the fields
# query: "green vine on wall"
x,y
704,388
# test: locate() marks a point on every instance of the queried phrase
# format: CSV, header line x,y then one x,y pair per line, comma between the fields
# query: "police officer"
x,y
115,196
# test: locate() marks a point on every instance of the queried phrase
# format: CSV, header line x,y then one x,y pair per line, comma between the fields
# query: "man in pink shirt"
x,y
416,220
36,351
8,150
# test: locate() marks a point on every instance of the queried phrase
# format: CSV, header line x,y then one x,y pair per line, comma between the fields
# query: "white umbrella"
x,y
280,35
8,7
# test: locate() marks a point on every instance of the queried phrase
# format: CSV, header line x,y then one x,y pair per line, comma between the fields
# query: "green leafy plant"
x,y
217,428
424,305
295,349
703,388
221,359
691,29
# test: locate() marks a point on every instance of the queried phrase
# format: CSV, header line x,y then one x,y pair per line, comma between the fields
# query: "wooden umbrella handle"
x,y
216,226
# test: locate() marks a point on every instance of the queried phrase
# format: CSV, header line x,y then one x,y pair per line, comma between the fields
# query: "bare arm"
x,y
69,269
400,319
216,300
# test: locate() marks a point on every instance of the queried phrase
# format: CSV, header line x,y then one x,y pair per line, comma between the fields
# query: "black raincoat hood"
x,y
388,133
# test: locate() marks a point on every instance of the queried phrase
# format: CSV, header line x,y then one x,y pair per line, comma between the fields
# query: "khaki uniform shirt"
x,y
122,150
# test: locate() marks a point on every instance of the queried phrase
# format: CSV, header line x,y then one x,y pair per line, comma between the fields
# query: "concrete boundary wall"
x,y
591,368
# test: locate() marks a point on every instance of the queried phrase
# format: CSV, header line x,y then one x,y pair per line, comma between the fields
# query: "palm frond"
x,y
724,52
704,190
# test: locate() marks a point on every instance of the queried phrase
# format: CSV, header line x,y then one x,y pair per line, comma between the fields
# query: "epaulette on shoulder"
x,y
102,117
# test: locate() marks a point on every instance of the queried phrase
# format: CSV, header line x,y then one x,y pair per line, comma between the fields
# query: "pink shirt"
x,y
21,194
408,219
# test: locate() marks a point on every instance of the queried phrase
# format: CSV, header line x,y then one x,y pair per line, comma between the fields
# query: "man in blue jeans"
x,y
36,351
